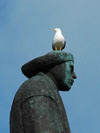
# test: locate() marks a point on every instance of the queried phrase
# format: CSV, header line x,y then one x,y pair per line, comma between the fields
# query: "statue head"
x,y
63,74
58,65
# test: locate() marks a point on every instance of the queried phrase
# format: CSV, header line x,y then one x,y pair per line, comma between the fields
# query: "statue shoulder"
x,y
38,85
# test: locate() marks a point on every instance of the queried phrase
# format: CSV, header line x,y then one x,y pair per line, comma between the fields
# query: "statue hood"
x,y
44,63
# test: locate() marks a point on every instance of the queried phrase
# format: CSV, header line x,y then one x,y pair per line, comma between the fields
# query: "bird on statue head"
x,y
58,41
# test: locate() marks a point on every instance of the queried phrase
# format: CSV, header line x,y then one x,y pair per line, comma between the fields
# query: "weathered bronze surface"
x,y
37,106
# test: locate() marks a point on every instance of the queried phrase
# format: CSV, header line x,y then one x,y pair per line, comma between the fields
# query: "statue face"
x,y
63,75
69,74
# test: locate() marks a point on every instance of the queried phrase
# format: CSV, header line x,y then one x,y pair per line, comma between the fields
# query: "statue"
x,y
37,105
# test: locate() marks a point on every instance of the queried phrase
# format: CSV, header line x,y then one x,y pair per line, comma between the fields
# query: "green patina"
x,y
37,106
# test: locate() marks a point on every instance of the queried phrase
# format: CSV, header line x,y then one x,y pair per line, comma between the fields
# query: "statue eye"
x,y
72,68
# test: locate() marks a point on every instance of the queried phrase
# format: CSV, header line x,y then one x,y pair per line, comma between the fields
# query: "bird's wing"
x,y
53,46
64,44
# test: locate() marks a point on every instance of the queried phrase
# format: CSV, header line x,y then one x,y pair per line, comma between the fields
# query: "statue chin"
x,y
65,88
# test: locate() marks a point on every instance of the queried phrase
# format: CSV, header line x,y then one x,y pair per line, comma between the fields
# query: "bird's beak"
x,y
54,29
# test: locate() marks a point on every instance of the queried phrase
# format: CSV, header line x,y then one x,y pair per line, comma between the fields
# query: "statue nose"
x,y
74,75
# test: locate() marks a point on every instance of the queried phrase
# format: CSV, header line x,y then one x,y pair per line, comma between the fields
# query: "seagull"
x,y
58,41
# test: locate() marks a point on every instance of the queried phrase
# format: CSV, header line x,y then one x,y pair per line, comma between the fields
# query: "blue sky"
x,y
25,33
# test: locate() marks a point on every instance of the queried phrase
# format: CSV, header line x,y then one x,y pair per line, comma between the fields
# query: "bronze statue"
x,y
37,106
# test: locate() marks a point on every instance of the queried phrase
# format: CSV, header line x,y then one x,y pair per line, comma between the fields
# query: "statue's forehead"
x,y
69,57
70,63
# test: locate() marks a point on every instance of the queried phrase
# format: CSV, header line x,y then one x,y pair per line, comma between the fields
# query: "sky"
x,y
26,33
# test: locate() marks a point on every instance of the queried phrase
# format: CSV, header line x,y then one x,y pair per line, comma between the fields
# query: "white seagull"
x,y
58,41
